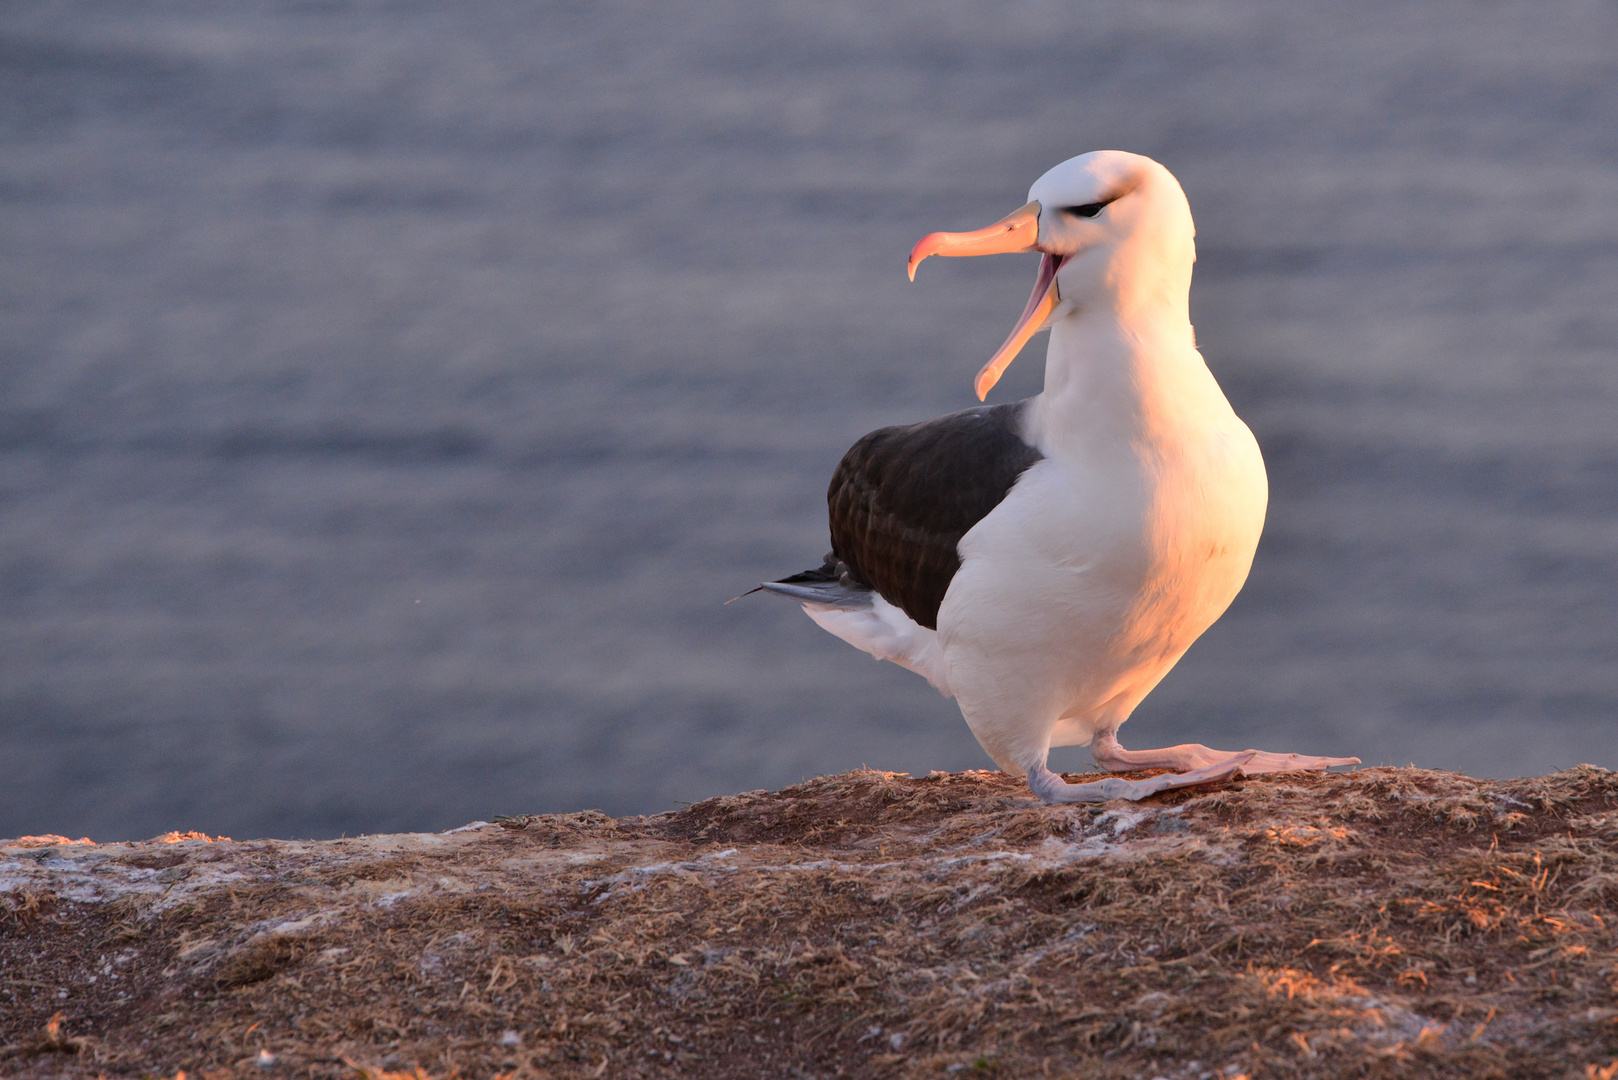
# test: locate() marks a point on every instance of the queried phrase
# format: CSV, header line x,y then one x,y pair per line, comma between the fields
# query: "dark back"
x,y
902,498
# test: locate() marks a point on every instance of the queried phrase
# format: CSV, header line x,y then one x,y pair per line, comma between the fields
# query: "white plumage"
x,y
1129,533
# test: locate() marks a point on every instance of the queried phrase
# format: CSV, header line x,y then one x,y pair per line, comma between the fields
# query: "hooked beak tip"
x,y
1017,231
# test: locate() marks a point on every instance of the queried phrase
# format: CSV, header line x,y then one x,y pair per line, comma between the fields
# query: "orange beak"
x,y
1018,231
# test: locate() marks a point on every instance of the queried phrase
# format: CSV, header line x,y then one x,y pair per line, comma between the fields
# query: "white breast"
x,y
1084,587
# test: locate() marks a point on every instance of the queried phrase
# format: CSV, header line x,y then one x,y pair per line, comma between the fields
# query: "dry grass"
x,y
1387,922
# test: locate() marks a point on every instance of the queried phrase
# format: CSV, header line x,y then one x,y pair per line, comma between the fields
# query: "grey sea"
x,y
392,395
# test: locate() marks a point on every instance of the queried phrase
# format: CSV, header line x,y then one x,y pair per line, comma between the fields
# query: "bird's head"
x,y
1111,226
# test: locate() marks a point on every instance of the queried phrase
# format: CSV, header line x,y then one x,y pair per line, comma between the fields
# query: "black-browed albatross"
x,y
1047,562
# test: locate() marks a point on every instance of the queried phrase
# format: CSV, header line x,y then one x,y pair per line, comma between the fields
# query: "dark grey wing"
x,y
902,498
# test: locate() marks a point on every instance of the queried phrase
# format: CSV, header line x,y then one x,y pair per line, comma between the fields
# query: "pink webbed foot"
x,y
1190,756
1051,788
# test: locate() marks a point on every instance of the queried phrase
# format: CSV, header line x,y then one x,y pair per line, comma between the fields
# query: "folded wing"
x,y
902,498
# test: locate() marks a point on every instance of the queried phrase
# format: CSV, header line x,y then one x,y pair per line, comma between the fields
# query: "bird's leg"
x,y
1191,756
1053,789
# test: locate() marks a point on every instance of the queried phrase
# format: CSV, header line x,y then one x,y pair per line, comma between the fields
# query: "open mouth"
x,y
1041,302
1018,231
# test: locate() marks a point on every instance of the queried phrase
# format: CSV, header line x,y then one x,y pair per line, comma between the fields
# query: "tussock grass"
x,y
1381,923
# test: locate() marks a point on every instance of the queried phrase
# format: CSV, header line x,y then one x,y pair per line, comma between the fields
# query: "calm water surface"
x,y
391,396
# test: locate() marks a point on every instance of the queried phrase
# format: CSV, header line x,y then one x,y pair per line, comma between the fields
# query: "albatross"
x,y
1046,562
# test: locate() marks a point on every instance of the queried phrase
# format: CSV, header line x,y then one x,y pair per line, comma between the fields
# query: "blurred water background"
x,y
391,394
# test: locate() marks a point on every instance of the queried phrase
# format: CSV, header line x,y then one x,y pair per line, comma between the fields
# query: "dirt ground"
x,y
1379,923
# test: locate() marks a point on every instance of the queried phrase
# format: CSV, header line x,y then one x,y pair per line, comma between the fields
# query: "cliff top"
x,y
1383,922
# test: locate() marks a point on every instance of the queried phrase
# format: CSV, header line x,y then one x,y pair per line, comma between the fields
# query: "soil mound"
x,y
1384,922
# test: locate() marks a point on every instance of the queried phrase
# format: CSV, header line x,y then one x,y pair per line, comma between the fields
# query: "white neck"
x,y
1122,371
1120,374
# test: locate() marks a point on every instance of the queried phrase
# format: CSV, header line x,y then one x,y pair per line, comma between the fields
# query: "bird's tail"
x,y
828,585
845,607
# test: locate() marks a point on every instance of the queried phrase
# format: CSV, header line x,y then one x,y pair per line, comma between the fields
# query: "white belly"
x,y
1081,590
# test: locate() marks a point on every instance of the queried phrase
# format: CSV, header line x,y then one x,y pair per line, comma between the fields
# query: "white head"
x,y
1115,230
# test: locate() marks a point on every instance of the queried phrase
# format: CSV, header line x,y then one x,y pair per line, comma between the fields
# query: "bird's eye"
x,y
1087,210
